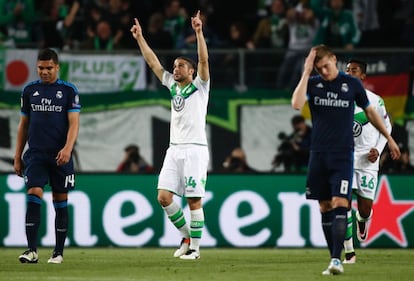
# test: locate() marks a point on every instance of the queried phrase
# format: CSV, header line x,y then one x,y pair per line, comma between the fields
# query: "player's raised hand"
x,y
136,29
309,61
196,22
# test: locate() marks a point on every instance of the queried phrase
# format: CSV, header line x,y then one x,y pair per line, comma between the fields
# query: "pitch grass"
x,y
103,264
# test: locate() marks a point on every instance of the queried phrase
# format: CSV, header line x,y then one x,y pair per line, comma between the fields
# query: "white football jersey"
x,y
188,110
366,136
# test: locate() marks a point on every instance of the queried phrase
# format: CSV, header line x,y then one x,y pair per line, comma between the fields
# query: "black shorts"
x,y
40,168
329,174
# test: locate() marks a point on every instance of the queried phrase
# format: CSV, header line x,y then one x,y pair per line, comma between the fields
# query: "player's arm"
x,y
378,123
148,54
65,153
22,133
299,94
381,141
203,67
382,111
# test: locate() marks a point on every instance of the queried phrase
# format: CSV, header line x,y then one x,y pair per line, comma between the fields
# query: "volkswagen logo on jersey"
x,y
59,94
357,128
178,102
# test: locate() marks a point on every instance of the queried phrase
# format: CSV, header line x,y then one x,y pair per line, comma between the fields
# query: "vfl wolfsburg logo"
x,y
129,72
178,102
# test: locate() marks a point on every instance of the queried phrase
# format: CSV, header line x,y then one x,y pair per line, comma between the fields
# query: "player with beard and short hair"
x,y
184,171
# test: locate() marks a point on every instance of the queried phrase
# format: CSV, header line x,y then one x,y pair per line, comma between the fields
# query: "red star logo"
x,y
387,216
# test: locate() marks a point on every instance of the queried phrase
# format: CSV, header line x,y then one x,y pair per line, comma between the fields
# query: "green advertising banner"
x,y
240,211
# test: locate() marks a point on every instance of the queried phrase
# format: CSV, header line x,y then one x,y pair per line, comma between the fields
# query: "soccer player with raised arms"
x,y
184,171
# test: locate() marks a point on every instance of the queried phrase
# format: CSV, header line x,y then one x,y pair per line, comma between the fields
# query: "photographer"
x,y
236,162
133,162
293,152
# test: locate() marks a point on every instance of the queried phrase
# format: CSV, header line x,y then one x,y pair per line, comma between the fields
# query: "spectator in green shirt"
x,y
338,27
17,19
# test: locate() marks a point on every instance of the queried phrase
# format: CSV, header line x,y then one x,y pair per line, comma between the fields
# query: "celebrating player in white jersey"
x,y
369,144
184,171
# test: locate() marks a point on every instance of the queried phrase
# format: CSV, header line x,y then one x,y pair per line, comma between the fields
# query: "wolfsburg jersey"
x,y
47,107
188,110
366,136
332,108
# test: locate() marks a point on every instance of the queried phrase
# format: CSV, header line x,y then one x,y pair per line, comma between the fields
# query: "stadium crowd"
x,y
104,24
291,26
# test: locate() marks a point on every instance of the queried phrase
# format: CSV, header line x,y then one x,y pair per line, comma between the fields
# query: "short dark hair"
x,y
48,54
362,65
191,62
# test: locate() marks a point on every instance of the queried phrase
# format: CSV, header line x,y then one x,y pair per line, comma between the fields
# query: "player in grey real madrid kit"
x,y
184,171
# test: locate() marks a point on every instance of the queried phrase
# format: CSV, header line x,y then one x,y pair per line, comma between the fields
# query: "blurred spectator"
x,y
263,7
367,18
93,15
133,161
127,17
158,39
407,14
103,38
17,23
115,14
293,152
57,23
175,17
236,162
338,27
400,135
302,29
272,31
102,4
391,22
238,38
143,10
